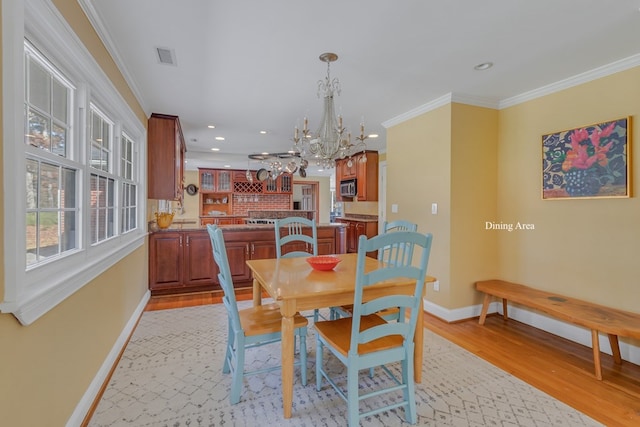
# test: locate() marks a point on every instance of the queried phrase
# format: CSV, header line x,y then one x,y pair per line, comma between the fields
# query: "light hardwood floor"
x,y
558,367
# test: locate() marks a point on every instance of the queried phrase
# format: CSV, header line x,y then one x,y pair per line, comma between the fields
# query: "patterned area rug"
x,y
171,375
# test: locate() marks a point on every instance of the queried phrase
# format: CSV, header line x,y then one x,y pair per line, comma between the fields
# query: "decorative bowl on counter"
x,y
164,219
323,262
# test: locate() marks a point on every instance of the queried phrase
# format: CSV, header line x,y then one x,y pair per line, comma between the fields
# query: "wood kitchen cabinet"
x,y
367,177
349,168
165,157
355,229
181,261
365,174
216,192
282,184
243,246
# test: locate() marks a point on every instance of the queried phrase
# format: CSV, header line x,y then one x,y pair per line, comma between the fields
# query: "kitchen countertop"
x,y
177,226
357,217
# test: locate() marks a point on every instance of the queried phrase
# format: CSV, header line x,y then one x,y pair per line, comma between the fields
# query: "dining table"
x,y
295,286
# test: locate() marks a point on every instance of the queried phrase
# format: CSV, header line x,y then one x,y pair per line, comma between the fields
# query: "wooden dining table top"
x,y
293,278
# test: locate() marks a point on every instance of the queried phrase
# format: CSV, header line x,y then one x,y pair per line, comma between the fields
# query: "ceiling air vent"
x,y
166,56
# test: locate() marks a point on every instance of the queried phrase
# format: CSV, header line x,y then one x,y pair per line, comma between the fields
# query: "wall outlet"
x,y
394,208
436,286
434,208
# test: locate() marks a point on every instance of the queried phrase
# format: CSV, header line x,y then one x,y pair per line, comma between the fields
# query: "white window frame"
x,y
130,181
30,294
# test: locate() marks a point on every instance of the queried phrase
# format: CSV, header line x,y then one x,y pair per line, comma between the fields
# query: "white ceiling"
x,y
251,65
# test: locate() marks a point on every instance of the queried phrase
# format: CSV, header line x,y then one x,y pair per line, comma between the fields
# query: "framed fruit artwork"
x,y
587,162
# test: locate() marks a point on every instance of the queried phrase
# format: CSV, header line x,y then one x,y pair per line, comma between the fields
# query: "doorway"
x,y
307,194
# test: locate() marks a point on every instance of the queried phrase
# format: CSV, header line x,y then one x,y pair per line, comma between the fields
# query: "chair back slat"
x,y
295,233
402,270
224,276
397,253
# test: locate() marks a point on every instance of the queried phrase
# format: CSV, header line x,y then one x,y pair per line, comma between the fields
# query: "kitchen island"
x,y
181,260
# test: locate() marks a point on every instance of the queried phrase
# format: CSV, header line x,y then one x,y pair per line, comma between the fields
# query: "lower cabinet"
x,y
357,228
181,261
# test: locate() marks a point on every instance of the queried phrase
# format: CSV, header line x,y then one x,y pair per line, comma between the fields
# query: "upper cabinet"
x,y
349,168
216,181
216,192
282,184
367,176
363,167
165,157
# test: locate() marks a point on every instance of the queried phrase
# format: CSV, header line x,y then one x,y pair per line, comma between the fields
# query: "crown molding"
x,y
587,76
101,29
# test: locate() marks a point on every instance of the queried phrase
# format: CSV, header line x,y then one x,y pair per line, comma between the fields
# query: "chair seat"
x,y
265,319
338,334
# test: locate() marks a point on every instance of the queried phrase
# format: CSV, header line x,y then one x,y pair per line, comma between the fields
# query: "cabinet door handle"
x,y
253,249
181,241
246,249
187,240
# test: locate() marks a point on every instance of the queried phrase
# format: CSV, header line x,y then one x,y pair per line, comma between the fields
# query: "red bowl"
x,y
323,263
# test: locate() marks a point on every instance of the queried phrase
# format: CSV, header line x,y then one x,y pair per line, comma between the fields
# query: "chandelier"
x,y
331,141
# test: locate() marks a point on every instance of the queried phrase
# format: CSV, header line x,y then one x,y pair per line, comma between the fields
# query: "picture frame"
x,y
587,162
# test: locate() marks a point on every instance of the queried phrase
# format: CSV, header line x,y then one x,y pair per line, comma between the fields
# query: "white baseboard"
x,y
629,352
90,395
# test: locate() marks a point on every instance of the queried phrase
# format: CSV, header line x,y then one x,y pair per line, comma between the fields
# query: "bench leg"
x,y
615,349
596,353
485,308
505,314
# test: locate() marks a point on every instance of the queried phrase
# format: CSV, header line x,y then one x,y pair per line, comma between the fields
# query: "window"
x,y
129,190
72,175
51,200
102,185
52,213
100,134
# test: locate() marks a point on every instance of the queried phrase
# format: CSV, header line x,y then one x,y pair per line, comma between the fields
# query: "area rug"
x,y
170,375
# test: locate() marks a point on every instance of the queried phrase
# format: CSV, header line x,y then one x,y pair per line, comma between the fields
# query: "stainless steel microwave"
x,y
348,188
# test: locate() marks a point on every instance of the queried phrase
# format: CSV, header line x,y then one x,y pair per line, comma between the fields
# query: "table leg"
x,y
418,349
257,293
287,363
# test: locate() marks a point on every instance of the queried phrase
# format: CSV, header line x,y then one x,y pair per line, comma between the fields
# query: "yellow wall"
x,y
452,163
483,165
419,174
47,367
474,180
581,248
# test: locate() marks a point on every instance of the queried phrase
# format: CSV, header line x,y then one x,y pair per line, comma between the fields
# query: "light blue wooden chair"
x,y
393,254
300,244
397,253
250,327
365,340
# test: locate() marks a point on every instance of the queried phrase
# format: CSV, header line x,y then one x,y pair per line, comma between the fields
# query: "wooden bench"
x,y
595,317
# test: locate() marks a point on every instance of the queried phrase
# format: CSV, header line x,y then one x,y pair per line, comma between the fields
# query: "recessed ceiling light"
x,y
483,66
264,153
211,127
219,138
215,149
263,132
227,166
373,135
